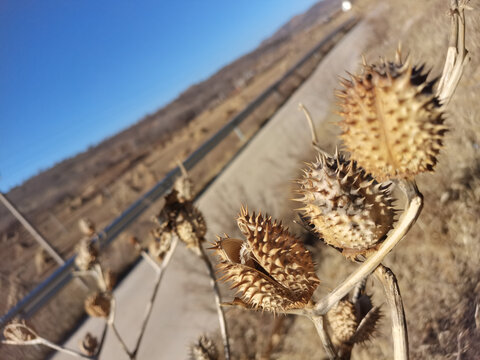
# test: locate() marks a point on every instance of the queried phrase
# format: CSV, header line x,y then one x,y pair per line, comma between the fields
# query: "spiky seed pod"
x,y
203,349
190,225
345,205
19,332
392,121
342,322
270,269
98,304
87,254
89,344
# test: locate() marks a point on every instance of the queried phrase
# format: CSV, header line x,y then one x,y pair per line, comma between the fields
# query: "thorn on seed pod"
x,y
203,349
393,124
89,344
19,332
87,254
98,305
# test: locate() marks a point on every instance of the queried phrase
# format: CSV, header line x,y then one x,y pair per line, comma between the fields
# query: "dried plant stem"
x,y
414,205
456,58
148,310
216,293
45,342
394,301
102,341
323,334
111,324
312,129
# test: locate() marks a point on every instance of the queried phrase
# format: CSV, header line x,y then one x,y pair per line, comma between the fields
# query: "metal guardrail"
x,y
43,292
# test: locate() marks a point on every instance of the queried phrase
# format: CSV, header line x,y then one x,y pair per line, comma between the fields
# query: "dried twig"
x,y
323,334
312,129
45,342
457,55
148,311
216,293
111,324
394,300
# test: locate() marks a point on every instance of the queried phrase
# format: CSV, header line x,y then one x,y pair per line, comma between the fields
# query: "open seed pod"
x,y
19,332
270,269
98,304
345,205
392,122
89,344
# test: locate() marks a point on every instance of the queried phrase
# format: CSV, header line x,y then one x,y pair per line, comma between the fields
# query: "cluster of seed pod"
x,y
393,128
179,217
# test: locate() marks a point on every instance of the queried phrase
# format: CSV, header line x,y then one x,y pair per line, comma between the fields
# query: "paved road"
x,y
260,177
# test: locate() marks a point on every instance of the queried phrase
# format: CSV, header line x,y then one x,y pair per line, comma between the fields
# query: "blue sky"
x,y
73,72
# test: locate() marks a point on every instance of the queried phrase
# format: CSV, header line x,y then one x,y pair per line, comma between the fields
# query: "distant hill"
x,y
70,177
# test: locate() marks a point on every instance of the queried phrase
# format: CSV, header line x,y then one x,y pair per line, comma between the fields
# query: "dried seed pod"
x,y
342,322
203,349
89,344
346,206
190,225
160,244
184,188
86,226
270,269
19,332
87,254
352,323
392,121
98,304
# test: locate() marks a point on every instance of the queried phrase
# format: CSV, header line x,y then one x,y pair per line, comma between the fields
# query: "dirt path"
x,y
260,177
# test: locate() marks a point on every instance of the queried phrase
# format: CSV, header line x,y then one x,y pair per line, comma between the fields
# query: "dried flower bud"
x,y
392,121
87,254
19,332
98,305
89,344
346,206
86,226
270,269
203,349
190,225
